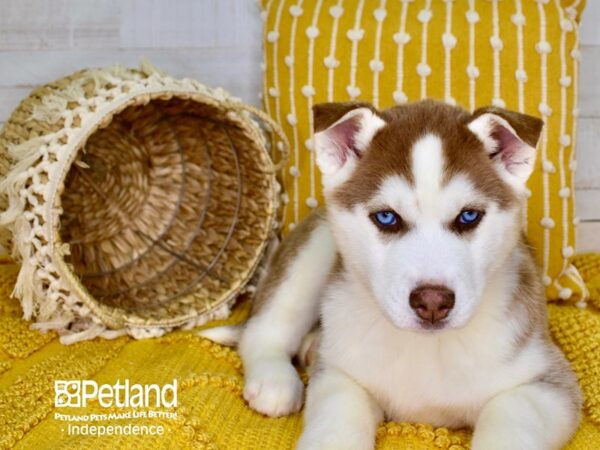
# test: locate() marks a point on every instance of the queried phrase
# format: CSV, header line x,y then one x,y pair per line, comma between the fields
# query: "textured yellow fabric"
x,y
589,268
520,54
211,411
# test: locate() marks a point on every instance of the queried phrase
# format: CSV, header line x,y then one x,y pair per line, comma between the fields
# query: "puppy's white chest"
x,y
443,379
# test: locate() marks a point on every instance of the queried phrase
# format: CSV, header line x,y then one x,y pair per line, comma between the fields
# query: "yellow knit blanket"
x,y
211,412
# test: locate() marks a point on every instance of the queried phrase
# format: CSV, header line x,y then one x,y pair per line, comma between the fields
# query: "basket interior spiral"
x,y
166,207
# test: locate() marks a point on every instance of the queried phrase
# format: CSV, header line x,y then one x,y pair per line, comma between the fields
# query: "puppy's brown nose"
x,y
432,303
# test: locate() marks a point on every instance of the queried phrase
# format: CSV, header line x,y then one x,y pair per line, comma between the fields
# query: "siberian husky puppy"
x,y
425,293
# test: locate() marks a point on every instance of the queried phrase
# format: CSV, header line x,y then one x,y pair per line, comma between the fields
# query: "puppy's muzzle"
x,y
432,303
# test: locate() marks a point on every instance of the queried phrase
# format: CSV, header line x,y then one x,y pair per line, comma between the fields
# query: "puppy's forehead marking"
x,y
428,169
409,132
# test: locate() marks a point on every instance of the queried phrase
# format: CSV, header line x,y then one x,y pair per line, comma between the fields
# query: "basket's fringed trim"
x,y
48,290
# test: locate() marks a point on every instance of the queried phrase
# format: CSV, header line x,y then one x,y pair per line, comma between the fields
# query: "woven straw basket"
x,y
135,202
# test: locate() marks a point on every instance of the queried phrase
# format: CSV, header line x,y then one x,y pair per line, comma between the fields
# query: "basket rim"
x,y
115,317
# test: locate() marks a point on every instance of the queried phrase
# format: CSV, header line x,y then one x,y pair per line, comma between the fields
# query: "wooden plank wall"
x,y
217,42
588,147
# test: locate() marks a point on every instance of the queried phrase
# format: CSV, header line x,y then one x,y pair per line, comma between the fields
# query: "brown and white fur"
x,y
488,363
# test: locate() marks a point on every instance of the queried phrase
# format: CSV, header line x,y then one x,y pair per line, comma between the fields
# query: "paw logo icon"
x,y
67,393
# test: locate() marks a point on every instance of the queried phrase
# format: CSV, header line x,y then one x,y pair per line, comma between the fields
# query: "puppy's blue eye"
x,y
386,218
468,217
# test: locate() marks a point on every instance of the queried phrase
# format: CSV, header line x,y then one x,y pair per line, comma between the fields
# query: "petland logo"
x,y
77,393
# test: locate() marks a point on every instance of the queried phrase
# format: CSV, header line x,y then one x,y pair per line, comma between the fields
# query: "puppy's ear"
x,y
510,139
326,114
343,132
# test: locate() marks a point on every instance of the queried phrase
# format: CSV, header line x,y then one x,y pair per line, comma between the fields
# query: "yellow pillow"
x,y
518,54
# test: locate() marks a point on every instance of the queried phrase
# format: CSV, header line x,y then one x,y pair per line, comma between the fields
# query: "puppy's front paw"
x,y
335,440
273,388
518,440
